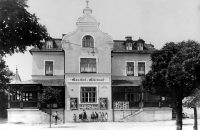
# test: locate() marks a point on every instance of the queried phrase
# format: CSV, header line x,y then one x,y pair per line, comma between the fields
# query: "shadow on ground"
x,y
63,127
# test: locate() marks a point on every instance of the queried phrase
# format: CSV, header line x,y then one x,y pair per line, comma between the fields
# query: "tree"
x,y
18,27
172,73
5,74
50,96
193,101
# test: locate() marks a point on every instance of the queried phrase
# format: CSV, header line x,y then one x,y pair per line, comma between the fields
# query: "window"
x,y
27,96
49,68
88,95
49,44
88,65
15,96
130,68
88,42
129,46
141,68
140,46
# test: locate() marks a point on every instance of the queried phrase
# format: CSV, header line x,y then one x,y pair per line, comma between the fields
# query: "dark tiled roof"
x,y
120,46
57,47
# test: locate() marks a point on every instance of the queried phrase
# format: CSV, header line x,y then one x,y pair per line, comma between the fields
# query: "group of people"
x,y
101,116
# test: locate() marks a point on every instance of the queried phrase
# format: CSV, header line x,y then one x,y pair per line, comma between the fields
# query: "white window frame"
x,y
88,57
44,67
84,36
144,66
89,86
126,67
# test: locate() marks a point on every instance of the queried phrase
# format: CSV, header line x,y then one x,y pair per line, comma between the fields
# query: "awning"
x,y
126,82
51,82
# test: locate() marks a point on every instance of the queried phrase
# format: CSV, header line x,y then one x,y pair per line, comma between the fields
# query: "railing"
x,y
30,104
151,104
15,104
27,104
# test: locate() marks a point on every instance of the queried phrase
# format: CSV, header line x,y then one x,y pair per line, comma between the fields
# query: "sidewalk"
x,y
159,125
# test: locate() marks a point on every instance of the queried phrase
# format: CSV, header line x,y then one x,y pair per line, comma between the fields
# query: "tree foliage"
x,y
50,95
18,27
173,73
5,75
173,70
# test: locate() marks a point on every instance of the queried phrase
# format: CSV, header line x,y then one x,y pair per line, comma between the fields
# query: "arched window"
x,y
88,41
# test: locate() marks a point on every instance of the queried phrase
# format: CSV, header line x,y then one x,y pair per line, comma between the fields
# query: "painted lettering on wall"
x,y
88,106
88,79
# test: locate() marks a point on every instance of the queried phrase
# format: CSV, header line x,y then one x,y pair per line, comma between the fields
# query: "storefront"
x,y
87,69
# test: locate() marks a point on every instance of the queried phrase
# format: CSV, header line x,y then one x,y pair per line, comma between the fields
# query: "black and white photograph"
x,y
99,64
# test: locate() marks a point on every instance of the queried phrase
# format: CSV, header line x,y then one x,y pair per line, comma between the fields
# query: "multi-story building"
x,y
95,74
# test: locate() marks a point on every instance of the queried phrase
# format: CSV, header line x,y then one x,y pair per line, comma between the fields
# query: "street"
x,y
159,125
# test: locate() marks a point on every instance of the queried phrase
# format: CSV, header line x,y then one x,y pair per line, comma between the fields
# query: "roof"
x,y
120,46
57,46
51,82
25,82
16,78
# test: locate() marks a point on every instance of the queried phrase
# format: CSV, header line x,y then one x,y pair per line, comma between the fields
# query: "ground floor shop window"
x,y
88,95
126,97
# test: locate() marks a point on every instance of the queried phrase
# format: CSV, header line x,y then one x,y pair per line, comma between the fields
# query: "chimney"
x,y
128,38
63,35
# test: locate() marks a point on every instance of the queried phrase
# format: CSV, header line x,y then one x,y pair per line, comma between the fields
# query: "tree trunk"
x,y
195,119
179,115
50,117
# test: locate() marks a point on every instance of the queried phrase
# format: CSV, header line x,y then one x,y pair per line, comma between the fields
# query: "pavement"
x,y
158,125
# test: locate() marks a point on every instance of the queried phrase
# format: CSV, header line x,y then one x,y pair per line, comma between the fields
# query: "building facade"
x,y
95,74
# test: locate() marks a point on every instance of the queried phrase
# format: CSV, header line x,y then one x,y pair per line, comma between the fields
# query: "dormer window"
x,y
129,46
88,42
49,44
140,46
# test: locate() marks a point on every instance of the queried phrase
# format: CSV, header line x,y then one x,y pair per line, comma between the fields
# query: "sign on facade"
x,y
103,103
121,105
73,103
88,79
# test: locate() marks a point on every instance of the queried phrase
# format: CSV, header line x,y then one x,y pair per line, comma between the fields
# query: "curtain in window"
x,y
88,65
130,69
49,68
141,69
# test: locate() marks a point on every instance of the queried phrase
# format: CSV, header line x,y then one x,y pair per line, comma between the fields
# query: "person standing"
x,y
96,116
106,116
84,115
56,117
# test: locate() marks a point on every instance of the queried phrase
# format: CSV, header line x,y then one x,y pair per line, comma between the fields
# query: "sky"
x,y
155,21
